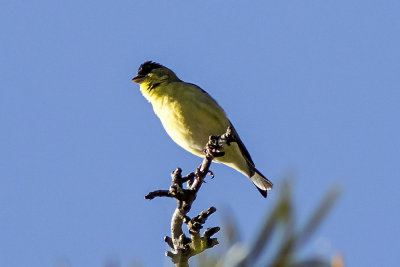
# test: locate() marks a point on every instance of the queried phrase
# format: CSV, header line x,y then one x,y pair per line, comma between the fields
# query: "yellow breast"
x,y
188,114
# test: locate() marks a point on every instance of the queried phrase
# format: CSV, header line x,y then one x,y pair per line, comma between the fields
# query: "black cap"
x,y
147,67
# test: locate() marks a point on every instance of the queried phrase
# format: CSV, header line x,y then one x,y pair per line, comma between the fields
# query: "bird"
x,y
190,115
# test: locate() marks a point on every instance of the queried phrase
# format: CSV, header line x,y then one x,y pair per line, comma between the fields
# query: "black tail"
x,y
262,183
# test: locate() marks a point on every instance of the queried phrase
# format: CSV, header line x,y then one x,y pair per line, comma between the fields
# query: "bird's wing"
x,y
244,151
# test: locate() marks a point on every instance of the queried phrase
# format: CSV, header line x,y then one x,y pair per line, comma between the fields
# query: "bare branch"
x,y
182,247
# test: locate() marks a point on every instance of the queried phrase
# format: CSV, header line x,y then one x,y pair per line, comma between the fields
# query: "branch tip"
x,y
211,231
169,241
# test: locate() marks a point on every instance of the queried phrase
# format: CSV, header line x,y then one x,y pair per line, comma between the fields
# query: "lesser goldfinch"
x,y
190,116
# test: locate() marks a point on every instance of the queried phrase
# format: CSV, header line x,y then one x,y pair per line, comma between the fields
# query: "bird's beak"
x,y
138,79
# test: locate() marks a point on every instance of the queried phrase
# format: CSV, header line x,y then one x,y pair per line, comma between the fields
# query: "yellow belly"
x,y
190,117
191,125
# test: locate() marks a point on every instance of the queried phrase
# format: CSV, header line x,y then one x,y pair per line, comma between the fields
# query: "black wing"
x,y
244,151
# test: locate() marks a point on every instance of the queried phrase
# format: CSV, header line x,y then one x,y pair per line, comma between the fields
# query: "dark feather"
x,y
147,67
245,153
264,193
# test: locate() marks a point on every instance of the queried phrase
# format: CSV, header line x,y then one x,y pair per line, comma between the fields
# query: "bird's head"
x,y
151,74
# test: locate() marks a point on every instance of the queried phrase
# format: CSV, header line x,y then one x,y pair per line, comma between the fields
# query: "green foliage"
x,y
278,233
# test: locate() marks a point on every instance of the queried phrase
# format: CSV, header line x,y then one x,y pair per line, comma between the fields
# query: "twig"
x,y
182,247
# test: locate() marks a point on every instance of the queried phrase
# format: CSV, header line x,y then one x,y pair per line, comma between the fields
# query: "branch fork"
x,y
183,247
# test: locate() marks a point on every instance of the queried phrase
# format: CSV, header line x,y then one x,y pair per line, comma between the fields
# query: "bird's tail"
x,y
262,183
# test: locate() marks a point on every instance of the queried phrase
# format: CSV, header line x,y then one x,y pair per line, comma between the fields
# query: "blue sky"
x,y
311,86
